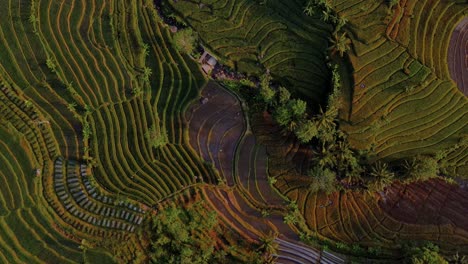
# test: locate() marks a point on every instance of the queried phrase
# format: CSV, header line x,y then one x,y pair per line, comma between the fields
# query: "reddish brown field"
x,y
434,210
252,173
359,218
215,127
458,56
432,202
422,211
217,131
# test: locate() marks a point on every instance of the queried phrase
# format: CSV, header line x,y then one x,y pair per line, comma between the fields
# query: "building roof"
x,y
212,61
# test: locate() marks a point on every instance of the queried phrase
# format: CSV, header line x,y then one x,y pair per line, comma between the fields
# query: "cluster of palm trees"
x,y
336,163
183,235
292,113
339,42
333,157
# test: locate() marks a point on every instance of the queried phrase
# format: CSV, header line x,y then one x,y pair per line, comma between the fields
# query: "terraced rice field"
x,y
458,56
76,101
243,167
275,34
432,210
404,101
361,218
25,222
68,65
85,84
430,203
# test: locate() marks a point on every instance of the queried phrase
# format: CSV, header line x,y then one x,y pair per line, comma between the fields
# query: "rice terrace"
x,y
234,131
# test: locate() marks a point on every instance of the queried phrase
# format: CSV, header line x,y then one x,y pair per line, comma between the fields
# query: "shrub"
x,y
86,130
426,254
381,176
156,137
282,115
284,95
51,64
290,219
421,168
306,131
323,179
137,91
392,3
298,107
28,103
185,40
147,74
271,181
267,94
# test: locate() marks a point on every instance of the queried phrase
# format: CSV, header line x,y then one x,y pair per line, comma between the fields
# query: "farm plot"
x,y
85,82
247,204
274,35
86,208
431,210
25,223
404,102
216,124
427,203
217,131
358,218
252,173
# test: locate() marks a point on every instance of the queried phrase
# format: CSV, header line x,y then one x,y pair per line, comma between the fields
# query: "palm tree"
x,y
325,120
340,43
72,107
380,170
290,219
269,247
324,156
381,176
292,125
334,19
459,259
410,166
309,10
306,131
325,16
342,21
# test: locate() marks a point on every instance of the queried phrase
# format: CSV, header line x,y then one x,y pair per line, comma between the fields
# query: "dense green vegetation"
x,y
426,254
190,235
185,40
179,236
